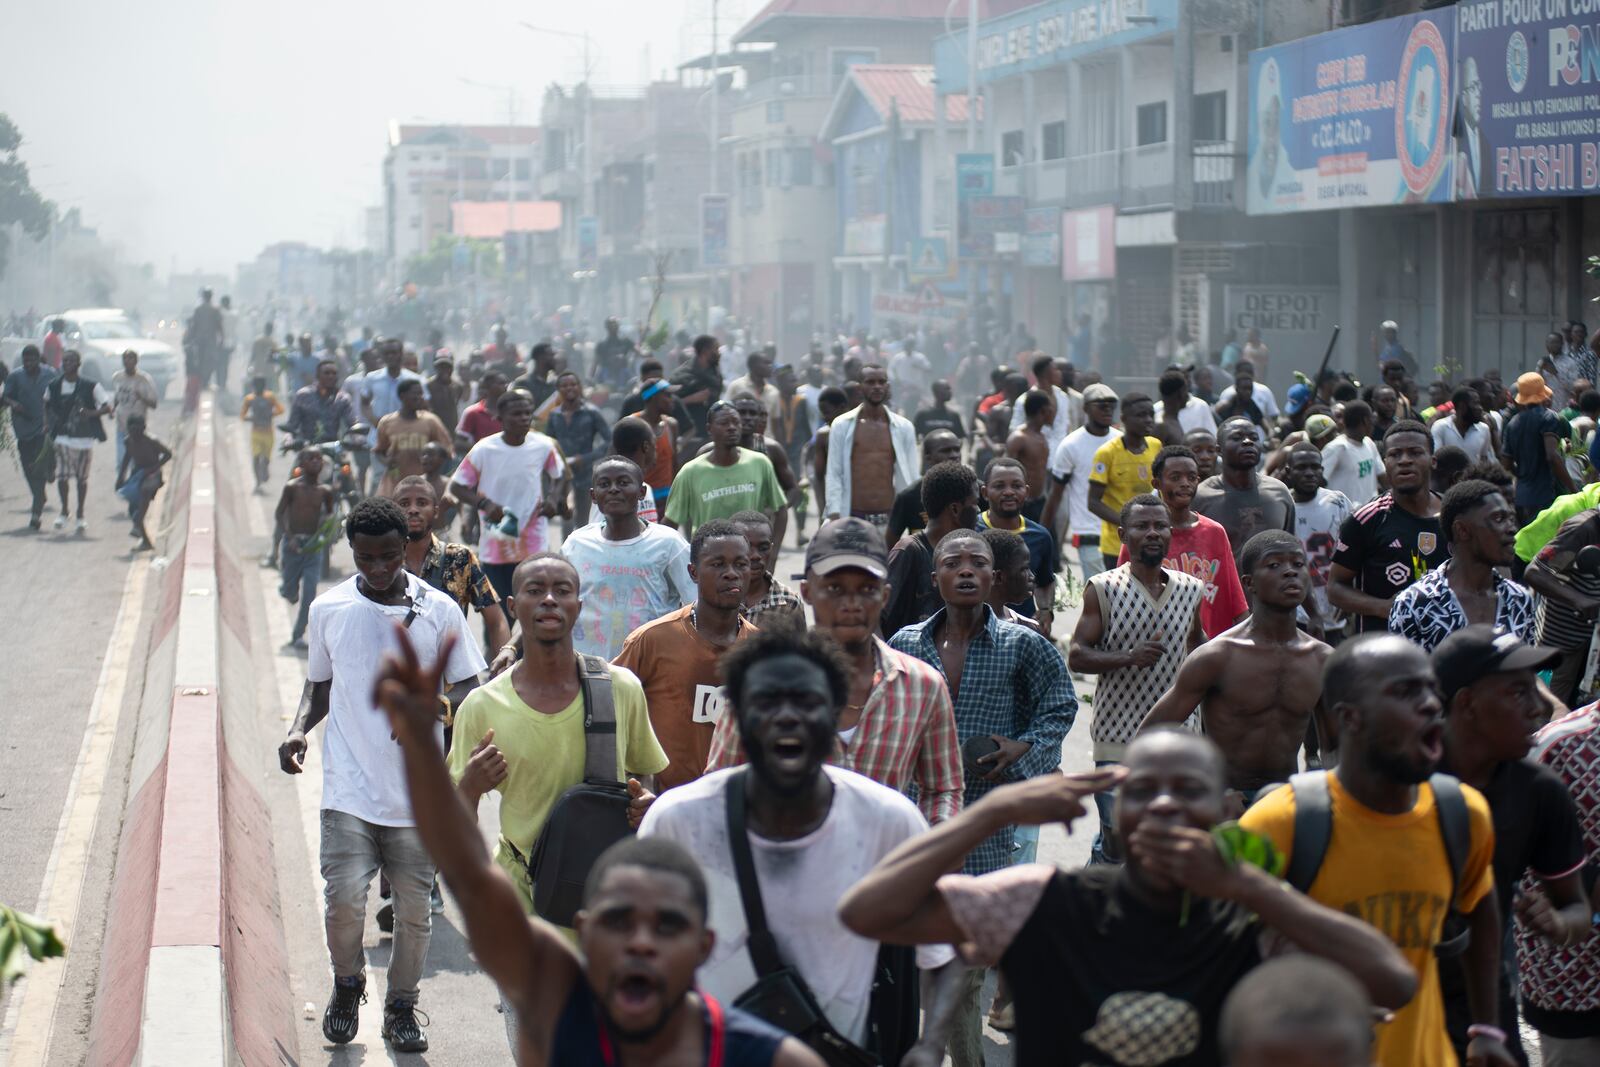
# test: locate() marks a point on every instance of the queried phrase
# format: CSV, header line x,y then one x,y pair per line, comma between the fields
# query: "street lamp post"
x,y
511,173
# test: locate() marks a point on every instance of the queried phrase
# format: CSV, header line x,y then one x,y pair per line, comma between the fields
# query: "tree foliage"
x,y
20,202
433,266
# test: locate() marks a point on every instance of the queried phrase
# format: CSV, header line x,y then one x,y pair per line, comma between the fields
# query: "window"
x,y
799,166
1053,140
522,170
774,111
1011,148
774,168
1152,123
1210,117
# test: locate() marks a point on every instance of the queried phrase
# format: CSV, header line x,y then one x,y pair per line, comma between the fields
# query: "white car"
x,y
101,335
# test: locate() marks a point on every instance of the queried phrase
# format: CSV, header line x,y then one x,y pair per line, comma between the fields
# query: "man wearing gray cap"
x,y
898,727
1070,465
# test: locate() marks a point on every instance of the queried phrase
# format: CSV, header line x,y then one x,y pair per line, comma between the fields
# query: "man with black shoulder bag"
x,y
781,840
566,741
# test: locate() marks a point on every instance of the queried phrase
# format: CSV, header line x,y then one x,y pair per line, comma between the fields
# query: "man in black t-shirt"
x,y
612,357
1493,706
950,500
939,415
1533,444
700,383
938,446
1392,541
1117,965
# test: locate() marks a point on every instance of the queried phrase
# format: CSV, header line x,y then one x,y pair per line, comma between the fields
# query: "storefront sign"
x,y
1049,34
588,242
1041,237
864,236
995,214
974,179
928,259
1089,243
1528,106
1352,118
926,305
1294,321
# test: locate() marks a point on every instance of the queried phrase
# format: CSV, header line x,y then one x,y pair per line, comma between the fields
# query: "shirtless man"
x,y
403,434
305,504
1027,444
872,454
1259,683
753,435
139,476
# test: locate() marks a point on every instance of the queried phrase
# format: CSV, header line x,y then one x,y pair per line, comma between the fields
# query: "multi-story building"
x,y
783,240
428,168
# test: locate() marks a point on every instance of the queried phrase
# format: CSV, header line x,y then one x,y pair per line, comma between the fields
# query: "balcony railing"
x,y
1139,177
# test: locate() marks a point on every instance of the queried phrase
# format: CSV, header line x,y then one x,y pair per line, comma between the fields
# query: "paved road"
x,y
60,595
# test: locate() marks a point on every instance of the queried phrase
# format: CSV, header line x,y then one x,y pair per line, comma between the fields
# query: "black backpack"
x,y
1313,829
588,818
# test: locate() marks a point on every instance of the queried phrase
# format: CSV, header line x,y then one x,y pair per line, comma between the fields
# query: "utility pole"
x,y
1183,109
972,146
716,135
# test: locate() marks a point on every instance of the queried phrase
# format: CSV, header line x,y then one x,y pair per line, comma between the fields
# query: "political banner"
x,y
1527,114
1353,118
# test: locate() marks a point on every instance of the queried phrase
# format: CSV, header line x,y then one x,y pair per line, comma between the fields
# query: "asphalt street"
x,y
62,595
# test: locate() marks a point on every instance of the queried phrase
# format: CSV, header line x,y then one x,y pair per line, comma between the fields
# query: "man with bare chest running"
x,y
1259,683
1027,445
872,454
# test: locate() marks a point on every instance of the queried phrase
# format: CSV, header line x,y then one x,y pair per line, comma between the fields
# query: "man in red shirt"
x,y
53,346
479,420
1200,545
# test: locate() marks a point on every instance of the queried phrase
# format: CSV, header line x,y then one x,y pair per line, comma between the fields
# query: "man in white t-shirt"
x,y
1178,406
631,571
1246,397
1070,464
1069,402
1352,463
1318,514
812,831
367,824
513,478
1466,427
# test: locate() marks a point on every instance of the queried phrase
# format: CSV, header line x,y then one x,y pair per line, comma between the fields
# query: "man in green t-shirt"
x,y
725,481
522,734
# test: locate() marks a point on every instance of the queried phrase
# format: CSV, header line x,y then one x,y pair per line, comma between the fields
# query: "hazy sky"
x,y
196,133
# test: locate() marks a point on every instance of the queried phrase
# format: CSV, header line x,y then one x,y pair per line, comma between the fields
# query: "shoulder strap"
x,y
1454,826
1313,827
599,719
763,946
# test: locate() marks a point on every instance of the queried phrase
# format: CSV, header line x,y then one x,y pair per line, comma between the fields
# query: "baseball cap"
x,y
1320,424
848,542
1389,324
1475,652
1098,393
1299,396
657,386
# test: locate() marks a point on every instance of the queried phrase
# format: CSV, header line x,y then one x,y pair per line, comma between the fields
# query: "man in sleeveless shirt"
x,y
1139,622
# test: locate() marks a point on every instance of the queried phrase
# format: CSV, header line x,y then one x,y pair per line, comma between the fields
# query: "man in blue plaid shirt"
x,y
1009,686
1006,682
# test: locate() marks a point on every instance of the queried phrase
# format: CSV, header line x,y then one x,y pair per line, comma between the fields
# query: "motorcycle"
x,y
337,475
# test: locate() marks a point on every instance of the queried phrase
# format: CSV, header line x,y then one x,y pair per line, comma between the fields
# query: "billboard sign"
x,y
1527,113
1353,118
1089,244
974,179
1295,321
1041,237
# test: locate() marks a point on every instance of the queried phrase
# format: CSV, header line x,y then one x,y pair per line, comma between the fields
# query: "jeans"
x,y
353,850
499,575
1106,848
966,1030
1090,560
300,575
1569,1051
38,464
1025,844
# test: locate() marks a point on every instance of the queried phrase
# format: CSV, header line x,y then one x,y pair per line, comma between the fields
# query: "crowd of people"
x,y
1341,806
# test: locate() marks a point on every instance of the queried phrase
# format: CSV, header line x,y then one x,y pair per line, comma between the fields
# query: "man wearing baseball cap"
x,y
897,727
1070,466
1493,705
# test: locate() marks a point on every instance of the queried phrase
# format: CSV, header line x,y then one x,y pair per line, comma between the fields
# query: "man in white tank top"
x,y
1139,621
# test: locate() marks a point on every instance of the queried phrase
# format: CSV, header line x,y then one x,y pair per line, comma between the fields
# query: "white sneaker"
x,y
60,523
81,527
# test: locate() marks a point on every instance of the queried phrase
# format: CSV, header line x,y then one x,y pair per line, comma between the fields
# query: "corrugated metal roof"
x,y
908,86
838,9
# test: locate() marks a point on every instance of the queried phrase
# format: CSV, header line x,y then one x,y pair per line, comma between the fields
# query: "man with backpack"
x,y
781,840
528,733
1385,838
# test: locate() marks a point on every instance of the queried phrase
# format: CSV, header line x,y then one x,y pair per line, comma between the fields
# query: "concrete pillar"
x,y
1352,352
1030,125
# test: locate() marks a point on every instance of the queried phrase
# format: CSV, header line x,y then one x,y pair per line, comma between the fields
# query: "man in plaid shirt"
x,y
898,727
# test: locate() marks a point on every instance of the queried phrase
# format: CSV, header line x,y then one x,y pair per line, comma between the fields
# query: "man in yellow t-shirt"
x,y
1121,471
522,734
1386,860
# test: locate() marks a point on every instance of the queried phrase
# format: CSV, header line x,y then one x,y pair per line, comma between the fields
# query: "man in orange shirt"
x,y
676,656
